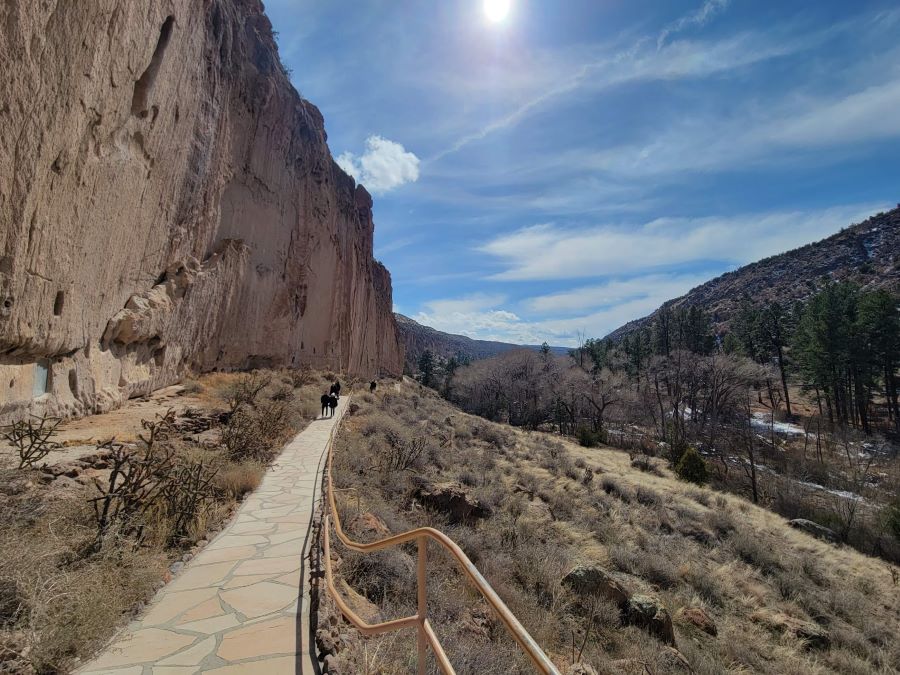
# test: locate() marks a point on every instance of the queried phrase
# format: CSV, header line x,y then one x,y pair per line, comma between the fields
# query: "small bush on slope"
x,y
692,468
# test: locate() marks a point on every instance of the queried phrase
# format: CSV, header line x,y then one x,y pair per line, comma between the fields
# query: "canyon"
x,y
169,204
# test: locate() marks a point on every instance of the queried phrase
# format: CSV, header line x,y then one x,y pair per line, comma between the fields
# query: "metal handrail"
x,y
426,636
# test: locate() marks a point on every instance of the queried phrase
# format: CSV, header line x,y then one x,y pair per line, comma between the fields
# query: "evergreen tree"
x,y
426,368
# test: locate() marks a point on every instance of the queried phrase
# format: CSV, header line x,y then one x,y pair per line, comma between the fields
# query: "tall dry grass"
x,y
689,547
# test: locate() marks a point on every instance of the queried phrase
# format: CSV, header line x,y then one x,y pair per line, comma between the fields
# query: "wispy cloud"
x,y
470,303
383,166
695,19
760,135
640,62
551,252
615,292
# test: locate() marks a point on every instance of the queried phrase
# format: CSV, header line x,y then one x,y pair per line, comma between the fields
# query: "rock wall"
x,y
169,202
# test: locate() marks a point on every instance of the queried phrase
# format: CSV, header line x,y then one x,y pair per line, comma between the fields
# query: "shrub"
x,y
892,518
692,468
588,438
32,440
611,487
245,390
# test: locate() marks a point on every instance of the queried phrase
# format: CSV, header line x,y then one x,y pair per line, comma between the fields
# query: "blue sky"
x,y
570,167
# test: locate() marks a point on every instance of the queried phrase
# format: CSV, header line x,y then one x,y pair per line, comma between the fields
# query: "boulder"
x,y
594,580
452,499
649,613
816,530
697,617
674,661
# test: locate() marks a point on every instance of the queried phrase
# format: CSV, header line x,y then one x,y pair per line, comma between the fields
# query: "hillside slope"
x,y
416,339
867,253
170,202
585,545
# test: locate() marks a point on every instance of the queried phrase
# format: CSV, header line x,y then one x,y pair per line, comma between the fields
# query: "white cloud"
x,y
551,252
865,115
383,166
615,292
470,303
485,316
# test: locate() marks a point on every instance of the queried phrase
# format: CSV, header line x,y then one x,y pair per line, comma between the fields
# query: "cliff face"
x,y
168,201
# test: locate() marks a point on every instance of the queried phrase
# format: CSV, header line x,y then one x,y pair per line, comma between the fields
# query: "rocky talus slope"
x,y
867,253
168,201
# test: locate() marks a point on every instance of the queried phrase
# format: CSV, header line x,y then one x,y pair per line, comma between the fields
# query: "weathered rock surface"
x,y
636,609
168,201
594,580
649,613
816,530
697,617
452,499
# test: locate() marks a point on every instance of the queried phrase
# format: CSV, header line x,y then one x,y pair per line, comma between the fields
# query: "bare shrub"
x,y
242,439
301,376
611,487
188,495
401,453
134,482
245,390
492,435
31,438
646,496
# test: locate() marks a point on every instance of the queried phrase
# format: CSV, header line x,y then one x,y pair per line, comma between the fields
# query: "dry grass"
x,y
52,567
687,546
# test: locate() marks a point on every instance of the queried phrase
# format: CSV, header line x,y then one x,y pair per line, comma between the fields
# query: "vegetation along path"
x,y
242,605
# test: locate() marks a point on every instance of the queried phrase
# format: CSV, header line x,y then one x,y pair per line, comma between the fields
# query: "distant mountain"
x,y
867,253
417,338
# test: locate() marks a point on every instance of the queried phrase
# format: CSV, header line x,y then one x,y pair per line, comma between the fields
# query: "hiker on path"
x,y
326,404
332,403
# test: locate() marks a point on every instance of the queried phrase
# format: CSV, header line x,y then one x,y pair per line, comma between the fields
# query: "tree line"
x,y
708,401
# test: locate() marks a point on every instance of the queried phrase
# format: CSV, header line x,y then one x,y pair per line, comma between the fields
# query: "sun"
x,y
496,10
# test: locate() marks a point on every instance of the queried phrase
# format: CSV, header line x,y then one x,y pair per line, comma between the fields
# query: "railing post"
x,y
423,603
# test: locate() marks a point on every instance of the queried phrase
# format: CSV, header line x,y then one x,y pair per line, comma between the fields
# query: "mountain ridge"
x,y
867,253
416,338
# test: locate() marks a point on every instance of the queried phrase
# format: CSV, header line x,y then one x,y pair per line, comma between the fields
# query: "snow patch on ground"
x,y
763,420
844,494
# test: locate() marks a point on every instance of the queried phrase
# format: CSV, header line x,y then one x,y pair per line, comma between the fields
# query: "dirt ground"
x,y
79,437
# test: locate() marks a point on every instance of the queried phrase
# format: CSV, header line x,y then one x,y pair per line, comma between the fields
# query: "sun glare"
x,y
496,10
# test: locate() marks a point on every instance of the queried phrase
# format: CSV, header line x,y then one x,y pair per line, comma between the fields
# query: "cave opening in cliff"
x,y
144,86
58,303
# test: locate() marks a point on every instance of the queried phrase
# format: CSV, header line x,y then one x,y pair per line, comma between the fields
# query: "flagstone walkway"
x,y
242,604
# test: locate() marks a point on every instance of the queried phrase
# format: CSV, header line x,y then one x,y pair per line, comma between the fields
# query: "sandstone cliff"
x,y
168,201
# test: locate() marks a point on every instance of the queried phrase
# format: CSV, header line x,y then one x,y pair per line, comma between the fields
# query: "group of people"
x,y
330,399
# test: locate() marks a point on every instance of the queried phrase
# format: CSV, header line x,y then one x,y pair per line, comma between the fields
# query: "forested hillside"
x,y
867,254
795,407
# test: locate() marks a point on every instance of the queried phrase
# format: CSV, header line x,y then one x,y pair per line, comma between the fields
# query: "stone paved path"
x,y
242,605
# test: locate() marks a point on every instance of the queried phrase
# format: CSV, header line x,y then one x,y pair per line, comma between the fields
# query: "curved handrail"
x,y
521,636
